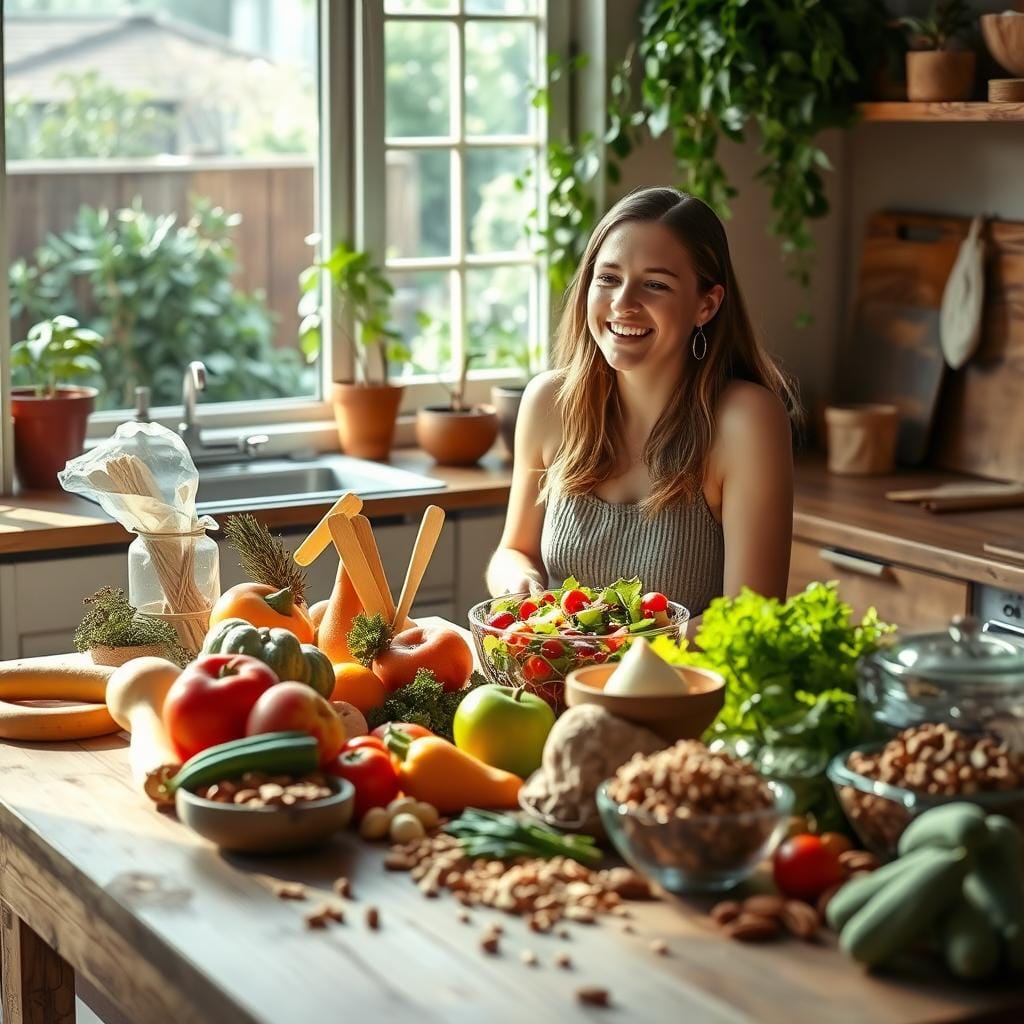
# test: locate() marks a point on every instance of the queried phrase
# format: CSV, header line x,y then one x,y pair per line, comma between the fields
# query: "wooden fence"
x,y
275,197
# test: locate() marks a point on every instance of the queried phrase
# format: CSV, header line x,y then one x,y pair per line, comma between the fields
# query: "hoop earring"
x,y
700,336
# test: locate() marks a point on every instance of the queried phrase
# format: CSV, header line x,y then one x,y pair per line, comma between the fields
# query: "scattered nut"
x,y
372,918
628,929
489,943
764,905
464,917
398,862
563,960
659,946
290,891
593,995
343,887
528,957
724,912
800,918
752,928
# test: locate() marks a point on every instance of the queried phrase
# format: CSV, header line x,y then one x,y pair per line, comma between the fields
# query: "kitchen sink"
x,y
282,482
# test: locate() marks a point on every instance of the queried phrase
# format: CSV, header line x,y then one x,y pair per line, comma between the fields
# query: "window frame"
x,y
350,184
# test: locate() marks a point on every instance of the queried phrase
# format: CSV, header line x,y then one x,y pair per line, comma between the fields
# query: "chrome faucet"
x,y
245,446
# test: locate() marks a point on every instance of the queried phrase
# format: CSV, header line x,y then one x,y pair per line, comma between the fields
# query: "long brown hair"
x,y
677,450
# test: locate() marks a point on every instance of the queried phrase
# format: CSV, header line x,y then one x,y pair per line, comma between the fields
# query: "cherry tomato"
x,y
546,598
501,620
373,774
585,651
526,609
552,649
410,729
653,602
574,601
804,867
518,635
613,641
357,742
536,669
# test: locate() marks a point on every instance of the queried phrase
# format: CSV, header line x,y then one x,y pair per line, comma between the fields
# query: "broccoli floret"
x,y
424,702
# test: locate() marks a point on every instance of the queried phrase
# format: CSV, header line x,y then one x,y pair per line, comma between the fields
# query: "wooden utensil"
x,y
367,541
426,540
320,536
970,503
966,489
349,549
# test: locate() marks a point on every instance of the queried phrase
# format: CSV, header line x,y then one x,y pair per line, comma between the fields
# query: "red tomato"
x,y
653,602
519,635
409,729
501,620
552,649
574,601
210,701
370,742
613,641
585,650
546,598
526,609
536,669
373,774
804,867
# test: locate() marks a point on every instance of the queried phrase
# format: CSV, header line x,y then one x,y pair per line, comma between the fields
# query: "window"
x,y
462,145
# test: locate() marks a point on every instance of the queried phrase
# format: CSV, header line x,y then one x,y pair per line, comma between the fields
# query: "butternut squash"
x,y
54,724
135,696
342,607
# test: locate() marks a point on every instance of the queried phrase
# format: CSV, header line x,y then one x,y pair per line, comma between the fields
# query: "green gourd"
x,y
276,647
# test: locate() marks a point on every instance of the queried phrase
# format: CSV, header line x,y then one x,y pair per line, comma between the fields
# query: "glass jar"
x,y
969,679
175,577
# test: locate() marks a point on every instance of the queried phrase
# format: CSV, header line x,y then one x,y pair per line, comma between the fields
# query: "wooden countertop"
x,y
845,512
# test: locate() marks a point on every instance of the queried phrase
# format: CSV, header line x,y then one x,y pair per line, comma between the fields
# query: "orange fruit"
x,y
358,685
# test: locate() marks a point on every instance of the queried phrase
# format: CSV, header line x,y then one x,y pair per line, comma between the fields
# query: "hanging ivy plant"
x,y
709,69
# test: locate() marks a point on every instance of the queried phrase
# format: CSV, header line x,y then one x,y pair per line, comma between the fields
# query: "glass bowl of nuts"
x,y
691,819
268,814
882,787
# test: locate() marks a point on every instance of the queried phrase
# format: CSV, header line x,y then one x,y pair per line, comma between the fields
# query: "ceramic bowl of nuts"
x,y
268,814
882,787
691,819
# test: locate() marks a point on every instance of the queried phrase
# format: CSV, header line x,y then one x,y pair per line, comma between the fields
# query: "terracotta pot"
x,y
862,438
366,415
456,438
48,432
937,75
506,402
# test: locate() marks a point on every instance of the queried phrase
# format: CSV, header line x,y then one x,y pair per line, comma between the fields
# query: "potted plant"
x,y
528,359
457,434
112,632
365,409
935,72
50,417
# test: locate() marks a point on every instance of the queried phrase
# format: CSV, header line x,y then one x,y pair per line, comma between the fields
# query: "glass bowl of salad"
x,y
536,640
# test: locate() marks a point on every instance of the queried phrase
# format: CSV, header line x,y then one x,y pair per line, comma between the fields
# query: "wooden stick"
x,y
320,536
426,540
344,535
974,489
364,534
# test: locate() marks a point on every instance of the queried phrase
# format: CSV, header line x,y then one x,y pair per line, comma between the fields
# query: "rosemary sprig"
x,y
504,837
263,557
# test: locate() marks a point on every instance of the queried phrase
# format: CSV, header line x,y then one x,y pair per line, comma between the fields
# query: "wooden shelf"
x,y
924,112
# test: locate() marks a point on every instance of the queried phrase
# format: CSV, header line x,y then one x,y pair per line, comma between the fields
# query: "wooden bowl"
x,y
1004,37
683,716
244,829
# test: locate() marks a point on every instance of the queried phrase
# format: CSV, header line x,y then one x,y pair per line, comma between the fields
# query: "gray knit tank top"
x,y
680,551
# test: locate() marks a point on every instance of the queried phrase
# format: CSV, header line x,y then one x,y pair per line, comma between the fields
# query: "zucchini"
x,y
906,908
969,942
995,885
854,895
275,753
951,825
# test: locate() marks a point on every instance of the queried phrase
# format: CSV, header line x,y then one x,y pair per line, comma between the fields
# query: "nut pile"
x,y
934,760
257,789
760,918
543,891
688,781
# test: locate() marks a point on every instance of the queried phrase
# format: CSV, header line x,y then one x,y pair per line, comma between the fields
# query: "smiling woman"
x,y
661,445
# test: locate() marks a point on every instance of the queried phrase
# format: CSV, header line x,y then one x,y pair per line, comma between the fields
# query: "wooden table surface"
x,y
95,881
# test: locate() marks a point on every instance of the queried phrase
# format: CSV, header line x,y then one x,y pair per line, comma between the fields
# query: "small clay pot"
x,y
365,415
935,76
506,401
862,438
48,432
456,438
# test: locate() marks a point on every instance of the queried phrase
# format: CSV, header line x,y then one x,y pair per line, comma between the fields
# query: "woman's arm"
x,y
754,459
516,565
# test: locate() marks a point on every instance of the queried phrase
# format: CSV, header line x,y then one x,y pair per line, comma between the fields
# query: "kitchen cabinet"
x,y
41,598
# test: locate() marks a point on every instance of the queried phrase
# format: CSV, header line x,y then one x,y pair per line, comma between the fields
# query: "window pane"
x,y
498,315
499,73
420,6
421,309
496,211
195,257
419,202
417,71
501,6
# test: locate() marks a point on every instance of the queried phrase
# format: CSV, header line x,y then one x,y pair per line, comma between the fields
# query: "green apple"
x,y
504,726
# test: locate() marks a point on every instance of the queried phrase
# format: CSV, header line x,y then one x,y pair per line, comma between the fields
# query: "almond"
x,y
858,860
752,928
764,906
724,912
593,995
800,918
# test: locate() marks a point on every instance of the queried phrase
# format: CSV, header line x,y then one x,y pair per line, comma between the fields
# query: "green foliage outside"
x,y
161,294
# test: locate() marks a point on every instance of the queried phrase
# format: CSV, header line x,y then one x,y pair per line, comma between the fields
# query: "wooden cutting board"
x,y
894,353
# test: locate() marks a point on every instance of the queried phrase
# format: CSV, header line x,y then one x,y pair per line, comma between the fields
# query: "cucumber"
x,y
243,743
276,753
906,908
969,942
952,825
854,895
995,885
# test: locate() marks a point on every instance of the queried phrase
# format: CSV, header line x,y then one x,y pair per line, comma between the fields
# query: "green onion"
x,y
496,836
